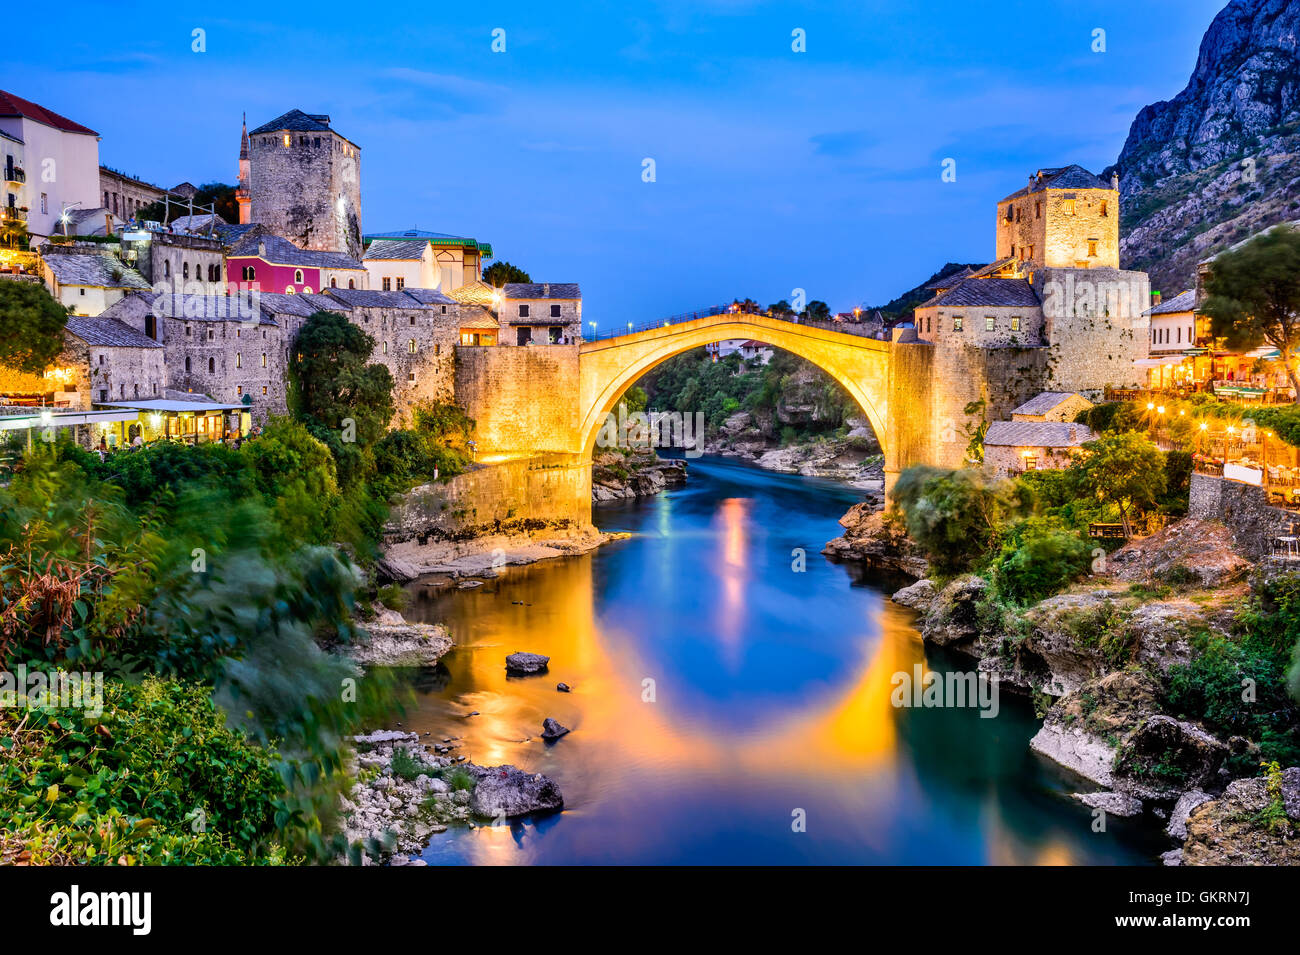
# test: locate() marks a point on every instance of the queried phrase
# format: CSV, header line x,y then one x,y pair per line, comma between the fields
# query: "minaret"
x,y
242,195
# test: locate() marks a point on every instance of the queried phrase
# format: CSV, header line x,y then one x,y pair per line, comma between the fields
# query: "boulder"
x,y
562,687
401,645
507,791
1083,729
870,538
1115,804
917,596
551,729
952,618
1182,809
1164,756
1246,825
526,664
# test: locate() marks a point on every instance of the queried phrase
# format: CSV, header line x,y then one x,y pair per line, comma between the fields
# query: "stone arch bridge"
x,y
540,408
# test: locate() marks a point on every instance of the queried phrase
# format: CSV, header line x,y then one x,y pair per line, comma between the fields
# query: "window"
x,y
187,365
385,348
185,270
412,319
136,389
45,204
1011,212
103,392
410,346
1067,207
956,323
928,324
286,140
1015,323
334,283
239,390
187,331
212,366
306,290
352,283
401,283
263,359
555,311
1031,462
437,349
239,360
523,311
989,323
444,310
410,377
297,276
1092,247
1103,208
264,389
1038,210
288,290
101,359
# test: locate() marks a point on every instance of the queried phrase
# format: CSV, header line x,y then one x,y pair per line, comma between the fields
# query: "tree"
x,y
817,310
296,473
1126,470
780,309
956,516
342,399
31,327
1254,296
499,273
210,193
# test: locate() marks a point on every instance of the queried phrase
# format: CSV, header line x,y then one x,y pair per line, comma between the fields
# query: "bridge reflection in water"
x,y
771,693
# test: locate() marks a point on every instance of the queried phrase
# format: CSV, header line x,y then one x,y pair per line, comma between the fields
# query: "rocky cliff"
x,y
1221,160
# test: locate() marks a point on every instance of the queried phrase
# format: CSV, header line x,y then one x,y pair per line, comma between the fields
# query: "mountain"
x,y
1221,160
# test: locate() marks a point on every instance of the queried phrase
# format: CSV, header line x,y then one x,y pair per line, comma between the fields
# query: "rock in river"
x,y
523,664
507,791
552,729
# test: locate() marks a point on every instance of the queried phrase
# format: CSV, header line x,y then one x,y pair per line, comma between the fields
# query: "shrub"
x,y
1039,558
955,516
394,597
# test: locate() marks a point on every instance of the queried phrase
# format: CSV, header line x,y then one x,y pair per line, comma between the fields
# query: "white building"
x,y
60,163
396,264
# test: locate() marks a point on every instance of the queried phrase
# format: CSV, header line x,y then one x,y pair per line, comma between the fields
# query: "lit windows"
x,y
957,323
1015,323
1092,247
989,323
410,346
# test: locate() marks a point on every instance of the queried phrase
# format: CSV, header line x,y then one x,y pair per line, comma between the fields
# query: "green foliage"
x,y
394,597
437,442
1039,557
955,516
156,778
499,273
1125,469
297,475
31,327
407,767
146,474
344,401
218,193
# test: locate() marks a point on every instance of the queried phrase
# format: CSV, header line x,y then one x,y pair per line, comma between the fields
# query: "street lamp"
x,y
63,215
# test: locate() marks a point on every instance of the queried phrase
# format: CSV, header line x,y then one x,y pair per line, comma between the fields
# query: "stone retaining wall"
x,y
1243,508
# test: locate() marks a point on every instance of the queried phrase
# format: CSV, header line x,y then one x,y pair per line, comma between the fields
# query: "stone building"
x,y
987,313
86,278
395,264
540,313
56,169
176,261
1052,406
457,260
102,359
125,195
271,263
1013,447
304,183
1064,218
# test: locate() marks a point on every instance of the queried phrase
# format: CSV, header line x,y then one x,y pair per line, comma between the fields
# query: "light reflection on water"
x,y
771,694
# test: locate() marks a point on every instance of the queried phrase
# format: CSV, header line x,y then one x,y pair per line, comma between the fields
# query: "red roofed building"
x,y
50,163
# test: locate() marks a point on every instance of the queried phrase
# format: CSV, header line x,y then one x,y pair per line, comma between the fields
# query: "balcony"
x,y
15,174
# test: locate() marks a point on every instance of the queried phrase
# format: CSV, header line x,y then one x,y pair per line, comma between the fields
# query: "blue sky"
x,y
774,169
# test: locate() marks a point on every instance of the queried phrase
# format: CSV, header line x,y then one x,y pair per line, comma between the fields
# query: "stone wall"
x,y
118,373
1018,327
1056,237
1244,508
1094,327
296,189
544,493
523,399
417,345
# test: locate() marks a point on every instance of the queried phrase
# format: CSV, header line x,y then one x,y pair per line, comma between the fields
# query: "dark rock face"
x,y
952,618
1246,82
526,664
507,791
552,729
868,537
1164,755
1246,825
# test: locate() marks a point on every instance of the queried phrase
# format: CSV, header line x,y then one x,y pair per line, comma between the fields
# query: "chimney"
x,y
1114,181
261,250
1155,298
1074,434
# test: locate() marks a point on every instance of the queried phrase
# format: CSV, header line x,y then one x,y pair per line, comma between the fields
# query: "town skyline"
x,y
450,141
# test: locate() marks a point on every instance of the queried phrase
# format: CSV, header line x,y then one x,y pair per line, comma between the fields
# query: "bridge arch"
x,y
608,367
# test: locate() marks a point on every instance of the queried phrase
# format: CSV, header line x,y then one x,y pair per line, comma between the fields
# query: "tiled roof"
x,y
479,318
475,293
1006,293
429,296
375,298
241,307
1037,434
100,270
278,303
297,121
198,223
90,221
1065,177
951,279
109,331
231,234
323,303
1043,403
11,105
283,252
392,249
1182,302
533,290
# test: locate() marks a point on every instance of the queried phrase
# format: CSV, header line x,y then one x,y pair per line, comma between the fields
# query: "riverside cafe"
x,y
1250,454
190,421
1256,375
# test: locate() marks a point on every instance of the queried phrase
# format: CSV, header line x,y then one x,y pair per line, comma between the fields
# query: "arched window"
x,y
212,366
334,283
306,289
167,269
187,365
263,359
185,270
297,276
410,346
352,283
288,290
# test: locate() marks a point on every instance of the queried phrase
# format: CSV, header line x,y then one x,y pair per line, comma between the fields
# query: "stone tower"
x,y
242,195
305,183
1064,218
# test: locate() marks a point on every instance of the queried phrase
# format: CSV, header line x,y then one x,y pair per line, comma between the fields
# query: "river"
x,y
731,704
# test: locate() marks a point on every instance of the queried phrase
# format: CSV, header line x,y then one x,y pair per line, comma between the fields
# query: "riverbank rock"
x,y
484,556
1114,804
1083,730
878,542
1182,809
952,618
526,664
1163,756
917,596
509,792
552,729
400,644
618,476
1246,825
